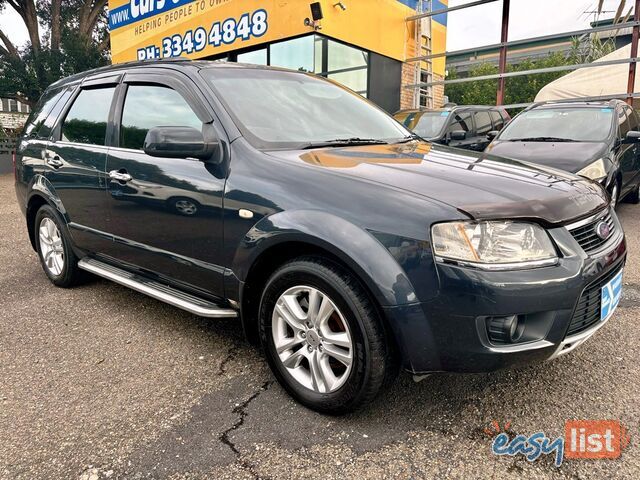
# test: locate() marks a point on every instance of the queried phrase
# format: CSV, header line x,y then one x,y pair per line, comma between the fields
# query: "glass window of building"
x,y
341,56
256,57
296,54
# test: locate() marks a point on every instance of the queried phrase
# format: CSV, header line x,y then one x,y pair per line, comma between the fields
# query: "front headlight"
x,y
594,171
494,245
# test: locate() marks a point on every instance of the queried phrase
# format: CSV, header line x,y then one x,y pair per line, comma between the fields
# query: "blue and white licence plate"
x,y
610,296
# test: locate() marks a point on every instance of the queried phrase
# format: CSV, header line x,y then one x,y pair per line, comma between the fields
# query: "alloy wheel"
x,y
51,247
312,339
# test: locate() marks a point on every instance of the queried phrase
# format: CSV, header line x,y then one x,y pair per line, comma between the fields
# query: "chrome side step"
x,y
164,293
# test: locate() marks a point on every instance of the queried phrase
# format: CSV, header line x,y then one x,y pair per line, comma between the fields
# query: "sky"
x,y
467,28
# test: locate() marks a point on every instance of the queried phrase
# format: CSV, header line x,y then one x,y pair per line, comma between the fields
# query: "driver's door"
x,y
165,213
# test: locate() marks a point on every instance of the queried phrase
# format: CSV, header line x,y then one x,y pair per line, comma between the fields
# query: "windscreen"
x,y
277,109
569,123
428,124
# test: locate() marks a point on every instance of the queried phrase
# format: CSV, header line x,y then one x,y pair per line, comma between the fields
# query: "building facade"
x,y
363,44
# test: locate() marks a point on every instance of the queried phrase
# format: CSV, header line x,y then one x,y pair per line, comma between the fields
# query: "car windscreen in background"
x,y
570,123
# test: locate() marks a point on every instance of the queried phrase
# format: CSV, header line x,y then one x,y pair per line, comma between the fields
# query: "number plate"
x,y
610,296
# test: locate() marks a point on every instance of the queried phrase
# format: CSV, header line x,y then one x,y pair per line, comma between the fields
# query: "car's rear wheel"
x,y
54,249
323,337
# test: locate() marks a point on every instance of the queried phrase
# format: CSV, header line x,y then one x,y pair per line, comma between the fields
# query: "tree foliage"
x,y
65,37
523,89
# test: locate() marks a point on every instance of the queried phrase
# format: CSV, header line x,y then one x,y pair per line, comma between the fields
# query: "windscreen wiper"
x,y
345,142
542,139
410,138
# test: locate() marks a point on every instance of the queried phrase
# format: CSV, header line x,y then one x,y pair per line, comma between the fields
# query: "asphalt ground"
x,y
102,382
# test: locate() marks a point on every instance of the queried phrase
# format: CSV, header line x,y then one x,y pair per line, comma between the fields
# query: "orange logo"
x,y
594,438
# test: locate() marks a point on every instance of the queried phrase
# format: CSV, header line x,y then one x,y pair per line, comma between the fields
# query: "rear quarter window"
x,y
41,111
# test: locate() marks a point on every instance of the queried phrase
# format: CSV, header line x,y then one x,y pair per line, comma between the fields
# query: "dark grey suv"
x,y
345,246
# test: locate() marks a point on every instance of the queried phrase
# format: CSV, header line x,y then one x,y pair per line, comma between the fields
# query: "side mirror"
x,y
632,137
179,142
458,135
492,134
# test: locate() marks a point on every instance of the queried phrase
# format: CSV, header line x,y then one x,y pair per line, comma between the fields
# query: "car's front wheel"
x,y
54,249
323,337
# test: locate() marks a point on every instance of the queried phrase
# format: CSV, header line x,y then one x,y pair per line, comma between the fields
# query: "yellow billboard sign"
x,y
153,29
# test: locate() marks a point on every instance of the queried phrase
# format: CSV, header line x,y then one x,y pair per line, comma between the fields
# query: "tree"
x,y
76,38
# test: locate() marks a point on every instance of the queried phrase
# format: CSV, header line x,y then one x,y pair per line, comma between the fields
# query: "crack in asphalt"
x,y
231,354
241,411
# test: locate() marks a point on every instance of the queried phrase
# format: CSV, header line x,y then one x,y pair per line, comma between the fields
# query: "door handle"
x,y
52,159
120,176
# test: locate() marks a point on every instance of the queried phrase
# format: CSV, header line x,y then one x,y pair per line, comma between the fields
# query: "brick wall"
x,y
438,92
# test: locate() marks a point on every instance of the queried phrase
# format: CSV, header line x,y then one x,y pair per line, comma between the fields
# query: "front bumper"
x,y
448,333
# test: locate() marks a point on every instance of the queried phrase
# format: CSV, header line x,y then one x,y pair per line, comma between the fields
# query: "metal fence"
x,y
504,45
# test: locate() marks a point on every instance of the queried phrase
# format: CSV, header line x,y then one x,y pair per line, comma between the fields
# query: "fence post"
x,y
634,53
502,66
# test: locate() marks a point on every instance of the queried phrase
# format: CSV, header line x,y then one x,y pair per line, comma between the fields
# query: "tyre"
x,y
633,196
184,206
323,338
54,249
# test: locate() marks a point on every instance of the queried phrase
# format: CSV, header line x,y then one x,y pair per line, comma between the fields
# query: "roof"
x,y
179,62
451,108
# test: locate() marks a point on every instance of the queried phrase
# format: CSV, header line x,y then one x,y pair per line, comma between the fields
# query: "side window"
x,y
623,122
498,122
86,121
483,123
40,112
47,125
461,121
148,106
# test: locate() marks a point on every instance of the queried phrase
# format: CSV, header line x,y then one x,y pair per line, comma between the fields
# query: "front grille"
x,y
587,312
586,234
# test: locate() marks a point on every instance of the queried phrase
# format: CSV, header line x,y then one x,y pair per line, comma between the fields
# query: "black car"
x,y
343,244
598,140
471,127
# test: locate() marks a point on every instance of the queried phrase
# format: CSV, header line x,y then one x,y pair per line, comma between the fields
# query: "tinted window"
x,y
633,118
86,121
461,121
40,112
483,123
48,124
498,122
623,122
148,106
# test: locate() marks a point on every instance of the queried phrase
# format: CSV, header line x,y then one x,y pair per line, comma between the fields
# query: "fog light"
x,y
503,330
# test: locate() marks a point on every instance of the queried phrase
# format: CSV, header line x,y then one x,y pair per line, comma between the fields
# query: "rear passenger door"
x,y
76,158
35,137
166,216
483,127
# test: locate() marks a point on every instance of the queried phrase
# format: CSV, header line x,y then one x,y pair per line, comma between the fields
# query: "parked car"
x,y
465,126
343,244
598,140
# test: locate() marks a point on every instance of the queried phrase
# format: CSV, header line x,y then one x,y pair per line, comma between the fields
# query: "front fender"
x,y
355,246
